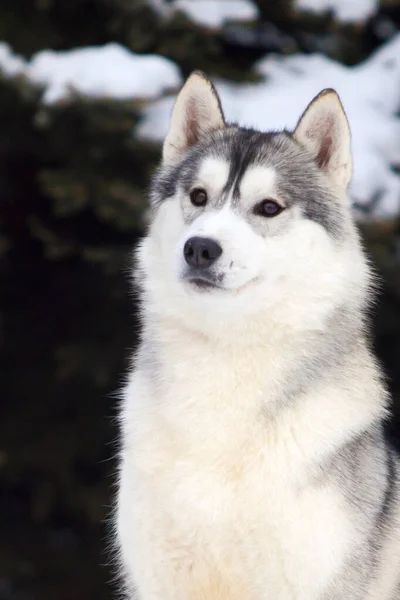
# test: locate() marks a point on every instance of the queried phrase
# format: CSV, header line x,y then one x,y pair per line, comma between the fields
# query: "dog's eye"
x,y
198,197
268,208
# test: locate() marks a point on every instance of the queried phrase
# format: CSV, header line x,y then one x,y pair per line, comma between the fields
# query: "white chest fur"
x,y
216,499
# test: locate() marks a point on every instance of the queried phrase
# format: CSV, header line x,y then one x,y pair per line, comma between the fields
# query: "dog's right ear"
x,y
197,111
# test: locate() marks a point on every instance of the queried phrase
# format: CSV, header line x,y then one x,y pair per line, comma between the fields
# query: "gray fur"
x,y
243,148
364,471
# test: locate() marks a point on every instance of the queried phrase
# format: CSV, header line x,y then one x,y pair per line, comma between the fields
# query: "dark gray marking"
x,y
324,356
364,470
299,180
387,504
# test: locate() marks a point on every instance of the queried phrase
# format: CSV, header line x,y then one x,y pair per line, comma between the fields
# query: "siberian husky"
x,y
253,462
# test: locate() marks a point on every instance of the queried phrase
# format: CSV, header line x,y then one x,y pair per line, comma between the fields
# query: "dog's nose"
x,y
200,252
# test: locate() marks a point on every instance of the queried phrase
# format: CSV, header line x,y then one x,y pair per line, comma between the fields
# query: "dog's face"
x,y
244,221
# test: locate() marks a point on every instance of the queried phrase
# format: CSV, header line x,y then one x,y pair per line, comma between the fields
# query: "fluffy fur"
x,y
254,464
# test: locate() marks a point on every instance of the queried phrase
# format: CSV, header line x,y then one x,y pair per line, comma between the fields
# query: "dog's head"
x,y
245,223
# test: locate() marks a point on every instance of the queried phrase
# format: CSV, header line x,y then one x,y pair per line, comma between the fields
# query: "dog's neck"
x,y
198,381
284,361
275,334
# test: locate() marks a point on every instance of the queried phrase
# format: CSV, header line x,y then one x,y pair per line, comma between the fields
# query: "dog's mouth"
x,y
203,282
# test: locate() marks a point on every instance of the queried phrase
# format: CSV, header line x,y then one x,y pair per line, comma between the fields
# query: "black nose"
x,y
201,252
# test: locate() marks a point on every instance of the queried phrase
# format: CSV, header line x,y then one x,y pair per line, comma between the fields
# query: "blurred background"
x,y
86,88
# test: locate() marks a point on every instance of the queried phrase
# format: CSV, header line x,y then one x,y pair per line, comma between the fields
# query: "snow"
x,y
105,71
214,13
109,71
160,6
10,64
370,93
355,11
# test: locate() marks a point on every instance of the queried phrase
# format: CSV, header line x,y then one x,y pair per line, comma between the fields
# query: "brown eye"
x,y
268,208
198,197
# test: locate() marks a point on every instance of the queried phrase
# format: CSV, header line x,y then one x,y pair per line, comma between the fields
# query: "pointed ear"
x,y
324,131
197,111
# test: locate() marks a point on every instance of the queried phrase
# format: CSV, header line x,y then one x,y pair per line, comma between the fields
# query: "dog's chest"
x,y
209,463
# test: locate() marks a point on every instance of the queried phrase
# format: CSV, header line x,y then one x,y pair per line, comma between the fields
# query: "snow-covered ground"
x,y
351,11
214,13
371,96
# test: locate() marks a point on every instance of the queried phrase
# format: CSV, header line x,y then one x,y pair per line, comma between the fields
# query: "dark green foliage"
x,y
72,175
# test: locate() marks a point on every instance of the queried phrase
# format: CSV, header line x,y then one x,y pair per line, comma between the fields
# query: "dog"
x,y
253,463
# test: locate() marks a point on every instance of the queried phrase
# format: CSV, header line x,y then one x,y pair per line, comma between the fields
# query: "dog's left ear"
x,y
197,111
324,131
